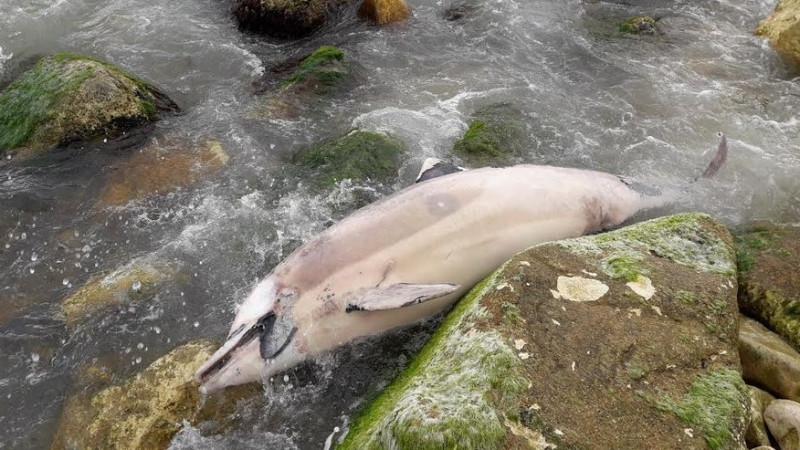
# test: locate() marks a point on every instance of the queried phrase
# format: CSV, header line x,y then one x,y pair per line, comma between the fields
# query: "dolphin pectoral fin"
x,y
398,296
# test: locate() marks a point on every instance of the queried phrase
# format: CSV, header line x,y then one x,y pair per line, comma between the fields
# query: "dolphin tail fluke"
x,y
718,160
398,296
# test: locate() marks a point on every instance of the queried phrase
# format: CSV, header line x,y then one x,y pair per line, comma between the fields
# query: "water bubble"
x,y
181,293
35,357
86,248
286,378
33,270
196,324
65,281
34,257
127,350
23,236
138,359
140,346
136,286
8,245
157,330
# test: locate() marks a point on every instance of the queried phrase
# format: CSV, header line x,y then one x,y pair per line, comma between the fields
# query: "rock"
x,y
162,167
281,18
769,282
782,28
638,25
768,361
383,12
138,281
321,73
497,136
68,97
523,363
358,155
783,420
145,411
757,431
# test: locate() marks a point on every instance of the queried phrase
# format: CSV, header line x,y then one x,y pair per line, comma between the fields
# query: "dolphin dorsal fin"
x,y
398,296
434,167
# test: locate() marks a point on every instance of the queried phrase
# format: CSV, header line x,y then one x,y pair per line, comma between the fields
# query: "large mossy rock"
x,y
68,97
769,279
282,18
620,340
358,155
782,28
145,411
320,74
497,136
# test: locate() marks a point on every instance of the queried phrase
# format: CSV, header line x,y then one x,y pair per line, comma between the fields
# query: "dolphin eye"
x,y
276,334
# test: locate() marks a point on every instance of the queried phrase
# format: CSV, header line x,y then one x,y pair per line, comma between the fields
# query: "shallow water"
x,y
647,108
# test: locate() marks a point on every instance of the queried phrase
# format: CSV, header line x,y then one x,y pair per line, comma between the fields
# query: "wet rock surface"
x,y
782,28
532,360
769,361
358,155
145,411
281,18
783,420
382,12
68,97
769,282
757,435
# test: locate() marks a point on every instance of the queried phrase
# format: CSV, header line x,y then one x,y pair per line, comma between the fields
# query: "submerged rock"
x,y
769,282
497,136
358,155
783,420
757,430
638,25
68,97
769,361
383,12
145,411
524,361
782,28
162,167
319,74
138,281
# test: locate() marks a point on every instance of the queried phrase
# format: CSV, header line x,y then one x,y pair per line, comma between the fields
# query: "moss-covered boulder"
x,y
769,281
638,25
145,411
768,361
382,12
315,77
757,430
138,281
68,97
282,18
782,28
358,155
160,167
620,340
497,136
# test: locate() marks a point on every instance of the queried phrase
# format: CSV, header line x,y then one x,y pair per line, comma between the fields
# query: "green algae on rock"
x,y
137,281
68,97
358,155
638,25
318,75
145,411
782,28
639,363
769,283
496,136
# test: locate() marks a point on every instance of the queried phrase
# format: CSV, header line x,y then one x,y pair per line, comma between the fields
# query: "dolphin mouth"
x,y
261,331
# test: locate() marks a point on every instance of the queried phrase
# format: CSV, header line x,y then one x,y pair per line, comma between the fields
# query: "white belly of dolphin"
x,y
452,230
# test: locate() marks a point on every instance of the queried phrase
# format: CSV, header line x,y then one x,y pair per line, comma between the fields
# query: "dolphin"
x,y
411,255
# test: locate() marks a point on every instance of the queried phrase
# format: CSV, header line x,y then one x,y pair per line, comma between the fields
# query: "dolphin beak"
x,y
244,357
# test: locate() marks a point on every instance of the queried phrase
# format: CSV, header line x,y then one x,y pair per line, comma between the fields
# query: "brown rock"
x,y
145,411
782,28
768,361
783,420
383,12
757,430
769,279
281,18
161,167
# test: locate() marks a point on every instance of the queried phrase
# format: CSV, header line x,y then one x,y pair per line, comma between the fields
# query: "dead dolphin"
x,y
409,256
